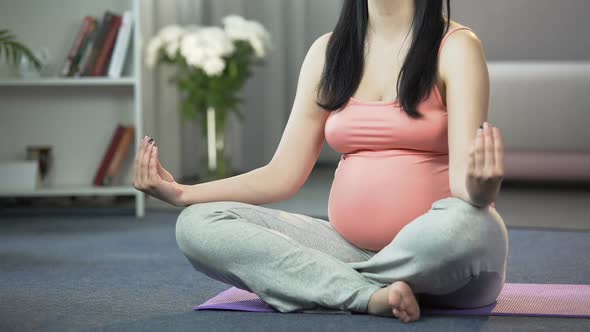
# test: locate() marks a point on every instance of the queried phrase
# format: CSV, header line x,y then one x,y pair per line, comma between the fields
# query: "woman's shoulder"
x,y
322,41
457,47
454,25
317,50
457,28
318,47
459,37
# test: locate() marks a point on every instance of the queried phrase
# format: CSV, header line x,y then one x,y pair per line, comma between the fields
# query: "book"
x,y
119,155
82,62
87,22
97,43
104,54
108,156
75,68
121,46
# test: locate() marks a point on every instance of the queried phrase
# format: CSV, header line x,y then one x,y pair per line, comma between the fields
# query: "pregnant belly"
x,y
374,195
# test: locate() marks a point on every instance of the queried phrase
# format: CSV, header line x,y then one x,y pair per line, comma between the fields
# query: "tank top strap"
x,y
442,42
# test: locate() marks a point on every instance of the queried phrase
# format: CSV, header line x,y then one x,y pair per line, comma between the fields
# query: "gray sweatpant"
x,y
454,255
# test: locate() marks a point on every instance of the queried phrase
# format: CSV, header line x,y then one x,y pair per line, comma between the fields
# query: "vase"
x,y
26,69
217,163
44,158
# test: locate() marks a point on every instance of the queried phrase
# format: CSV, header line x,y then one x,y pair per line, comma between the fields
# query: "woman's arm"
x,y
475,162
295,156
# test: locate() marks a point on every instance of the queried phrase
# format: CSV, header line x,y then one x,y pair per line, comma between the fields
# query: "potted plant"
x,y
14,51
213,64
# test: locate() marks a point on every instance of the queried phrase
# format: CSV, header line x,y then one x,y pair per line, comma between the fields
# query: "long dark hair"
x,y
344,63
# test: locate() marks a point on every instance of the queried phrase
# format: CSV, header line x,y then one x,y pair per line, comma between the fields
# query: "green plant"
x,y
213,63
220,91
13,50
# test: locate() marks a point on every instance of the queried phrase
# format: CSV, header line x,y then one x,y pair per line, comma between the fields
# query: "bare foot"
x,y
396,300
403,302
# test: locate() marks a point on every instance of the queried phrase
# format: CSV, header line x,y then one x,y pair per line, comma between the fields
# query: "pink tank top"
x,y
392,167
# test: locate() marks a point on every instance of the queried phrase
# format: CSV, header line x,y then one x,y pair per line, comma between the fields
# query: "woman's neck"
x,y
390,19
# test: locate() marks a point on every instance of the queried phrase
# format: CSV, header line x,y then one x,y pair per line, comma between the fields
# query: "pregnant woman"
x,y
399,90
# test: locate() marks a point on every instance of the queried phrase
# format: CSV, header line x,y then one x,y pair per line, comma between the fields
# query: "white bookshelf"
x,y
77,116
59,81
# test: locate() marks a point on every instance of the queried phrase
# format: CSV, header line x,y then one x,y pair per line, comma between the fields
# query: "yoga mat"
x,y
547,300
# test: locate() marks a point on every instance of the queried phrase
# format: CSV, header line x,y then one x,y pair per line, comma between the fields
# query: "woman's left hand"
x,y
485,169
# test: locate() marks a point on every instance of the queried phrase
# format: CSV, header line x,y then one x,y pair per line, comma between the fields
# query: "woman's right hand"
x,y
150,177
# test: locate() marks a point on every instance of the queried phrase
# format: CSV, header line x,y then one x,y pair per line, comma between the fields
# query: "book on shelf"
x,y
114,155
100,48
88,25
82,62
108,156
121,46
106,49
119,155
86,45
97,43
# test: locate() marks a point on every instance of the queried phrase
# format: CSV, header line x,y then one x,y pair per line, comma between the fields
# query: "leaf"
x,y
233,70
13,49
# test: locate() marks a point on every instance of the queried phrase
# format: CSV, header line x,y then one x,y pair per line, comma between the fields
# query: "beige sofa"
x,y
543,111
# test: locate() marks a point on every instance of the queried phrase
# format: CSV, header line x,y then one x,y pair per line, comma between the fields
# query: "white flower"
x,y
258,47
194,56
260,40
152,50
235,27
216,41
238,28
234,20
205,47
171,33
213,66
172,48
168,39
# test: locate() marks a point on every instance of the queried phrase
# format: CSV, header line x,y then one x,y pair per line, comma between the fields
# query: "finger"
x,y
489,148
145,160
136,168
140,153
153,168
159,164
471,158
498,150
479,151
135,162
140,161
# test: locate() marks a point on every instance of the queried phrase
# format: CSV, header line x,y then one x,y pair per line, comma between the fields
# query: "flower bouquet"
x,y
213,65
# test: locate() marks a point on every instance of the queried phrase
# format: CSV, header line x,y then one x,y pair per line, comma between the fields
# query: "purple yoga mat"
x,y
548,300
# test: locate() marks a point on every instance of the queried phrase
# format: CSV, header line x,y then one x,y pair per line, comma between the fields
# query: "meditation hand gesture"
x,y
151,178
485,169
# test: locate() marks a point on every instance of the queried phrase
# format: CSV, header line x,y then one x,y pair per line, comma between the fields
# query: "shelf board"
x,y
68,81
71,190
